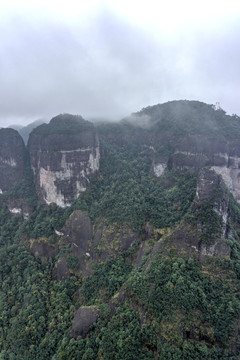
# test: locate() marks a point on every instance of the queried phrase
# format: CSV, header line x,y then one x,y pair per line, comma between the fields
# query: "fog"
x,y
107,61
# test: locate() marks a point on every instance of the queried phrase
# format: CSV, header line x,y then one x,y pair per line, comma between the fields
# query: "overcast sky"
x,y
110,58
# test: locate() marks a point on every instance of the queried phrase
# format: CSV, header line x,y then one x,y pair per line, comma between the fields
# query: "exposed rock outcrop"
x,y
16,206
64,154
78,231
198,151
91,245
204,231
13,157
190,134
211,188
222,156
42,248
61,270
83,321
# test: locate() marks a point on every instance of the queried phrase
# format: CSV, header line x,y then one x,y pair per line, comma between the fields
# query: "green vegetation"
x,y
197,291
9,226
180,118
210,221
190,309
124,191
44,220
107,277
64,124
36,312
154,303
72,262
22,190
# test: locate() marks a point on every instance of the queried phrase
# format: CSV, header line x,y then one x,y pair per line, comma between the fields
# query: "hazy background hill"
x,y
24,131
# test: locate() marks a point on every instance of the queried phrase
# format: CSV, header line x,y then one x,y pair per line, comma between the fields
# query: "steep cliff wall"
x,y
223,156
13,157
205,230
191,134
64,155
92,244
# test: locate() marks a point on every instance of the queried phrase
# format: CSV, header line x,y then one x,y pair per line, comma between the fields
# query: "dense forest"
x,y
153,299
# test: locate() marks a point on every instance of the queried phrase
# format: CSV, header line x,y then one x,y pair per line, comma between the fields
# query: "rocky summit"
x,y
64,154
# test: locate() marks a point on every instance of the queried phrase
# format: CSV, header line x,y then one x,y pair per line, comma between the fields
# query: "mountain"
x,y
125,242
16,127
13,155
26,130
63,155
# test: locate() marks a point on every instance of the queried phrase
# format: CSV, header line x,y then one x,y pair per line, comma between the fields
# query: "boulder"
x,y
83,321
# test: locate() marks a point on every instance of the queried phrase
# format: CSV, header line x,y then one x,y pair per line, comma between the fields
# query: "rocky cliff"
x,y
91,244
64,155
220,154
147,258
13,157
205,229
191,135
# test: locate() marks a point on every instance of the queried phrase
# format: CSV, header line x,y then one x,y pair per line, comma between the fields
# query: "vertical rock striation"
x,y
64,154
204,230
197,151
13,157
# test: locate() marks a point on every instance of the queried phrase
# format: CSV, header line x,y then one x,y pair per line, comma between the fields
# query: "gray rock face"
x,y
43,249
83,321
198,151
223,157
211,186
78,232
61,271
17,206
219,249
13,157
211,195
88,244
64,155
95,245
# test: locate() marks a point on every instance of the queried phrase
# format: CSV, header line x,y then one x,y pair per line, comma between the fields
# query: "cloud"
x,y
101,64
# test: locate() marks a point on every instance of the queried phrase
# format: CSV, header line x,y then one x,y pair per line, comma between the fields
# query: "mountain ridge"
x,y
142,264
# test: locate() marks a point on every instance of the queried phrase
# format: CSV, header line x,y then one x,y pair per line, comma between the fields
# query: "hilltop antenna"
x,y
217,106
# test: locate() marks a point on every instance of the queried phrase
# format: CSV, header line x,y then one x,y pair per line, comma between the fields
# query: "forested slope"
x,y
144,264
